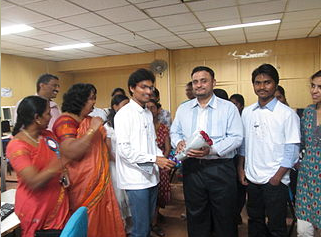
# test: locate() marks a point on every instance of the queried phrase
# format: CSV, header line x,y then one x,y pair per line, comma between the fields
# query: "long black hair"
x,y
116,100
76,97
27,109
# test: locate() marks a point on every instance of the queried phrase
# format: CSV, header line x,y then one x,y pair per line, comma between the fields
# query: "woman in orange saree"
x,y
41,201
83,143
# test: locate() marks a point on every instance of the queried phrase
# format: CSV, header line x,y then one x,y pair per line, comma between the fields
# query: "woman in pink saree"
x,y
41,201
83,144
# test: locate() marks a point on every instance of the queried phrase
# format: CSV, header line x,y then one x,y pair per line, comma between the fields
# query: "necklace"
x,y
30,137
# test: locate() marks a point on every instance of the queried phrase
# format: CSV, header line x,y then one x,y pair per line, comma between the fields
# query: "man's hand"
x,y
242,176
204,151
276,179
164,163
180,147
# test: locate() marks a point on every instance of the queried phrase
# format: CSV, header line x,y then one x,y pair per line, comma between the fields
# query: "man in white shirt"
x,y
138,158
48,88
270,148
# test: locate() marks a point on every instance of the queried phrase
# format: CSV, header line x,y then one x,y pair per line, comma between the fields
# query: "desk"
x,y
11,222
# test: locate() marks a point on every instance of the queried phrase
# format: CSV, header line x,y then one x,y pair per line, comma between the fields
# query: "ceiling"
x,y
135,26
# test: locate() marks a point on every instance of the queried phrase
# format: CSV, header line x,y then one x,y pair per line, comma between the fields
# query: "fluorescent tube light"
x,y
260,23
70,46
15,29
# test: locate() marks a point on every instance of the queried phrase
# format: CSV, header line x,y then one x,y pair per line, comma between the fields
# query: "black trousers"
x,y
267,200
210,195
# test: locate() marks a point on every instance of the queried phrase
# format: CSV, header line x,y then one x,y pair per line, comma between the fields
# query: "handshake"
x,y
197,140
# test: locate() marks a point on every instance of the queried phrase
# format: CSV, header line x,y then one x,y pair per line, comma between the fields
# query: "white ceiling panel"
x,y
234,21
44,23
231,41
108,30
298,5
22,40
56,8
86,20
299,24
258,9
123,14
95,5
155,3
78,34
125,37
186,28
22,16
153,34
167,10
151,47
296,33
141,25
210,4
266,28
58,28
302,15
21,2
267,17
199,35
132,26
202,42
218,14
243,2
55,39
177,20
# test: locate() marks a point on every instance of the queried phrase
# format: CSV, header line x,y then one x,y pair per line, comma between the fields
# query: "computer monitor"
x,y
7,113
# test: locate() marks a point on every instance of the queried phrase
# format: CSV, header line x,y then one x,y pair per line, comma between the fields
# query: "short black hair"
x,y
76,97
281,90
45,78
116,100
118,89
268,70
156,94
221,93
139,75
157,104
239,98
317,74
189,84
26,111
203,68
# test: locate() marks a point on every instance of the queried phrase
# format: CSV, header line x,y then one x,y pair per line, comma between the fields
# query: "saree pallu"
x,y
46,207
91,186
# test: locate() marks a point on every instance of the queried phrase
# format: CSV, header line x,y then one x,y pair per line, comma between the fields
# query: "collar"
x,y
270,105
138,107
211,103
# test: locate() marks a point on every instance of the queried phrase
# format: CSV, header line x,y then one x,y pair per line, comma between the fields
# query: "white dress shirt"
x,y
136,143
267,131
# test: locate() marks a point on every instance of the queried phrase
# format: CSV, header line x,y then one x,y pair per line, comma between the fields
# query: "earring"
x,y
38,122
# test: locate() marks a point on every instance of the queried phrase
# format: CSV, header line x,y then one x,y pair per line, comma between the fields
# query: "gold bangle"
x,y
90,131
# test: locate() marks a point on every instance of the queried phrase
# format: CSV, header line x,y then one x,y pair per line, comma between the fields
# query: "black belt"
x,y
209,161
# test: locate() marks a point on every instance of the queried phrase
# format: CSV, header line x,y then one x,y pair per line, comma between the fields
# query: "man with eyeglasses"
x,y
209,175
48,88
138,158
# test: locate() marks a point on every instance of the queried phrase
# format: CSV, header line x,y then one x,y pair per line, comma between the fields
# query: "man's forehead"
x,y
262,77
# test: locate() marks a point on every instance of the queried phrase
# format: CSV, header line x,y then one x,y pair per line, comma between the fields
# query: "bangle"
x,y
90,131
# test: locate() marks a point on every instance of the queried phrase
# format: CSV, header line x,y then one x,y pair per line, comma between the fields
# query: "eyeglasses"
x,y
144,87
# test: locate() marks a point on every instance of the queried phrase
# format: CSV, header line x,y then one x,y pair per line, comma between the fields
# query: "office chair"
x,y
77,225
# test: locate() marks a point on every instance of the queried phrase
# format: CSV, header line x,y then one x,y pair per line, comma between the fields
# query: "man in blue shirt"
x,y
209,175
